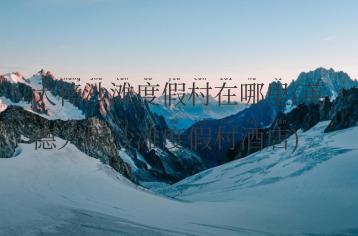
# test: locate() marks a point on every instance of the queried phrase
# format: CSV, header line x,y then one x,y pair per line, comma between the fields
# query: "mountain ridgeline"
x,y
136,151
221,140
133,137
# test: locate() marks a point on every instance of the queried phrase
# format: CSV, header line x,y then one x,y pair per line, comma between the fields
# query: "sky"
x,y
187,38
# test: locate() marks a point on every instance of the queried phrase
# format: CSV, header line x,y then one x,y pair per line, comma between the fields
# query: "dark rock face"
x,y
132,125
8,141
302,117
129,117
325,109
171,165
212,138
344,111
311,86
15,92
306,93
90,136
134,128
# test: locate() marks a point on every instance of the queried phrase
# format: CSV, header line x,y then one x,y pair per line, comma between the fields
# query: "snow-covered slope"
x,y
3,106
14,77
56,110
313,190
64,192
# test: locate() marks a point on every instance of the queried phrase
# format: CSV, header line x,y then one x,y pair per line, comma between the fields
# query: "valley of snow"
x,y
311,191
65,192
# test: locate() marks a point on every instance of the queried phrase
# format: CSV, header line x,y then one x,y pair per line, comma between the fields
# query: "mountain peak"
x,y
14,77
321,82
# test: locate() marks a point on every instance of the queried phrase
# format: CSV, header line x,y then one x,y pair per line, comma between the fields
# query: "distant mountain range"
x,y
179,117
221,134
32,108
312,190
89,182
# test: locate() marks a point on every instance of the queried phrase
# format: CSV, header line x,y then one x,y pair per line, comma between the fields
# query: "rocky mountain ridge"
x,y
342,113
91,135
309,89
140,137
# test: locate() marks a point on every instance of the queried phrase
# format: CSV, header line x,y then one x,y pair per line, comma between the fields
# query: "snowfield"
x,y
65,192
313,190
274,192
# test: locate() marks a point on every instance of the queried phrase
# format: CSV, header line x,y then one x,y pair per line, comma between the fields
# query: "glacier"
x,y
313,190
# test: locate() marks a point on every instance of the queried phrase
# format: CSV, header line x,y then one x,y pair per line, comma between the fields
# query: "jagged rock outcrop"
x,y
129,114
22,92
305,94
313,85
135,129
171,165
8,141
91,136
344,111
16,92
212,138
302,117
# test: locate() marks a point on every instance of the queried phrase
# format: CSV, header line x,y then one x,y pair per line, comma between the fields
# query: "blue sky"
x,y
186,38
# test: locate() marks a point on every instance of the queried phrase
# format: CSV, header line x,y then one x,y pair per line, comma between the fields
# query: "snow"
x,y
289,106
126,158
66,192
14,78
141,158
334,96
313,190
56,110
35,81
23,104
3,106
66,112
